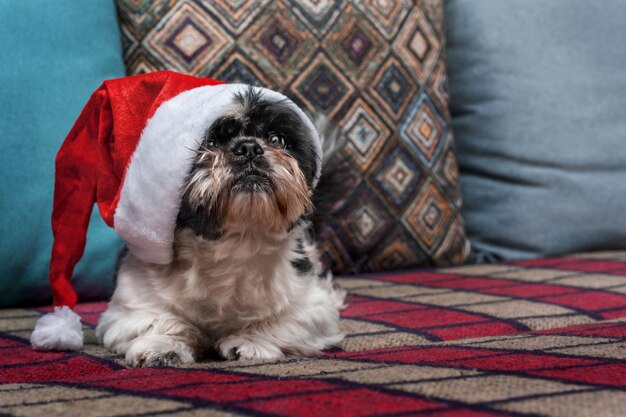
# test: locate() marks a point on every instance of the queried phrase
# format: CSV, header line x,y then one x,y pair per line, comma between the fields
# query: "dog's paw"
x,y
155,359
247,347
145,353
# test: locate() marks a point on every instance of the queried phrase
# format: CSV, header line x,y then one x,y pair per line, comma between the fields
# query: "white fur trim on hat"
x,y
59,330
150,198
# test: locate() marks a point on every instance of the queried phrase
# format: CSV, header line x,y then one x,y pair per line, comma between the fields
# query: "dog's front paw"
x,y
154,359
146,351
247,347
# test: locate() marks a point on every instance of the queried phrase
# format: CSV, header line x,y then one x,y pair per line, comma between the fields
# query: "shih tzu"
x,y
246,280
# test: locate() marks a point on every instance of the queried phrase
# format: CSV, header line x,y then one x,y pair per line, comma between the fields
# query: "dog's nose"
x,y
248,148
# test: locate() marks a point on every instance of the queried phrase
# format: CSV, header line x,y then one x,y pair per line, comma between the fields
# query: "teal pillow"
x,y
54,54
538,102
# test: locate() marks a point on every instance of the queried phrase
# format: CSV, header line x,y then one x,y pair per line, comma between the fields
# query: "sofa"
x,y
531,321
540,337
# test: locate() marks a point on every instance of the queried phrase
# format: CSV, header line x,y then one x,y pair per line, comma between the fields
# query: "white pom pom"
x,y
59,330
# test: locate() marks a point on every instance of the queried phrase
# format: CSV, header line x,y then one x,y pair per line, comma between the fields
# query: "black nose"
x,y
248,148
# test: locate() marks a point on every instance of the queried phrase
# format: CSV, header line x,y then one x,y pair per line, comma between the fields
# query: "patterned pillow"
x,y
375,68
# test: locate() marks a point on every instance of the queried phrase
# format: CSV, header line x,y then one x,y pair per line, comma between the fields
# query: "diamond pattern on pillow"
x,y
376,69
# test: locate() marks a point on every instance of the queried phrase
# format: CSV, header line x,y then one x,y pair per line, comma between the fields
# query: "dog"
x,y
246,279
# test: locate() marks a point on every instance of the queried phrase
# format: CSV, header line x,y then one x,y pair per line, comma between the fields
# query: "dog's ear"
x,y
329,134
336,182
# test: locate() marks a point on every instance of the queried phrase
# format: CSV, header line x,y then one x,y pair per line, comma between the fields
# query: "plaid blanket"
x,y
542,337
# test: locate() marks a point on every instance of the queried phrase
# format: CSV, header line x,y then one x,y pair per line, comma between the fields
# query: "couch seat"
x,y
540,337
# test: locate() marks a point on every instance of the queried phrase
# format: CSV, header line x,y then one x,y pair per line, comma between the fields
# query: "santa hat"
x,y
133,133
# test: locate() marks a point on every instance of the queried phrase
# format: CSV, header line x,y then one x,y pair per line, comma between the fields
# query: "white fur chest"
x,y
239,294
239,280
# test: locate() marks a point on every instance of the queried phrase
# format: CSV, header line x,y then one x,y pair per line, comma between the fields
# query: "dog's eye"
x,y
211,144
277,140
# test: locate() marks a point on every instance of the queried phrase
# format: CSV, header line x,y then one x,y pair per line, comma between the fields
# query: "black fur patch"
x,y
223,130
202,221
302,265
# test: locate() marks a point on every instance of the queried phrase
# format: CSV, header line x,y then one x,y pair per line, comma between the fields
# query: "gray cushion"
x,y
538,92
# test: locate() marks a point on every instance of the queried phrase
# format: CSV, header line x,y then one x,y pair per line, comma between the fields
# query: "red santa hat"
x,y
129,151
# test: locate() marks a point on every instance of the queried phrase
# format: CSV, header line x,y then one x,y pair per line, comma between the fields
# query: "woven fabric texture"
x,y
374,68
544,337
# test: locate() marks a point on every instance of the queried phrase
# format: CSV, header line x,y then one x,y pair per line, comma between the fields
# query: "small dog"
x,y
246,278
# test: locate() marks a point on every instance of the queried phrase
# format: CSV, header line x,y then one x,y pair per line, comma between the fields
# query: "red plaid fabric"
x,y
545,337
